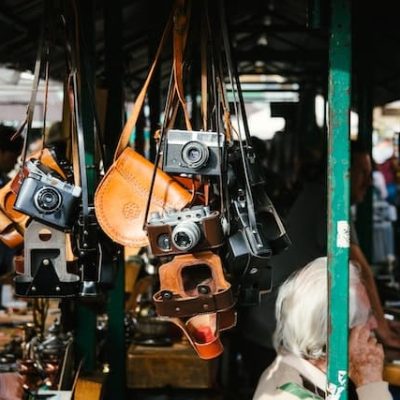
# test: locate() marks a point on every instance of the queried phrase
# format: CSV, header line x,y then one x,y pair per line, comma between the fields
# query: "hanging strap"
x,y
180,32
32,102
77,136
78,144
80,40
204,84
175,94
241,116
131,122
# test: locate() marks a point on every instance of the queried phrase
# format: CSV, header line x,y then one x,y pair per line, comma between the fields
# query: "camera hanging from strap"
x,y
258,232
49,199
95,252
194,293
54,203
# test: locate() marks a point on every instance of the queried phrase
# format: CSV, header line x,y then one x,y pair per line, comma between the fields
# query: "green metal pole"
x,y
86,317
339,197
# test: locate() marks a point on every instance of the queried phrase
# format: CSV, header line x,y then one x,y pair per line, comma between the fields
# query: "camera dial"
x,y
195,154
186,235
47,199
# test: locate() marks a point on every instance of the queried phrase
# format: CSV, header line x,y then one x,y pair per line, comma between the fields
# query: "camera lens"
x,y
47,199
186,235
163,242
195,154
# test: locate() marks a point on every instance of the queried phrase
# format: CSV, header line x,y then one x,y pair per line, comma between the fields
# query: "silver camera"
x,y
193,152
178,232
45,197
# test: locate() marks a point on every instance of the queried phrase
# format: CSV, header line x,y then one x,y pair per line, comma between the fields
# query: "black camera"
x,y
45,197
247,255
179,232
193,152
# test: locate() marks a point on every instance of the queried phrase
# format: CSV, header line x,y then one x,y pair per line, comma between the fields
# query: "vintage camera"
x,y
247,255
193,152
45,197
178,232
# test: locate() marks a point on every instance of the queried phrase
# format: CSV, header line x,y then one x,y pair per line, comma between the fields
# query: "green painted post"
x,y
339,197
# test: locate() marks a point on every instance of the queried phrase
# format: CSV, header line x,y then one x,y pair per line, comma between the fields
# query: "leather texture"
x,y
197,298
184,277
121,197
9,235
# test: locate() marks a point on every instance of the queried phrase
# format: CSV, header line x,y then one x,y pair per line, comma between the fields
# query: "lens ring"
x,y
195,154
47,200
186,235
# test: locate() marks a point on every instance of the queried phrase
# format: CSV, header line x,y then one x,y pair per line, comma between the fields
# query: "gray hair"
x,y
301,310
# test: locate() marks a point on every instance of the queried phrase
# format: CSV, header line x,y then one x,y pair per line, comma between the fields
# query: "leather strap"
x,y
131,122
32,102
204,88
189,306
9,235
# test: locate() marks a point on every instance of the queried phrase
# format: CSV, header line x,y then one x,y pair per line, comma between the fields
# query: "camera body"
x,y
193,152
47,198
180,232
247,255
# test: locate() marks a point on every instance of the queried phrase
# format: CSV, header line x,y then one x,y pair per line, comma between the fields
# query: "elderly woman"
x,y
300,339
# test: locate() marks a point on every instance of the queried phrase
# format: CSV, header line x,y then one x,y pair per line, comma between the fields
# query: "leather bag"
x,y
121,197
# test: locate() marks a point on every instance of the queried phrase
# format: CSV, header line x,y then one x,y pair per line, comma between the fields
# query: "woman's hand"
x,y
366,356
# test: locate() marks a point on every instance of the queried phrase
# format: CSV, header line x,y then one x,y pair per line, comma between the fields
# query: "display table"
x,y
177,366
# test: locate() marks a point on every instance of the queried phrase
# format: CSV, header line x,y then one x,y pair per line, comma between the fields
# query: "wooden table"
x,y
176,366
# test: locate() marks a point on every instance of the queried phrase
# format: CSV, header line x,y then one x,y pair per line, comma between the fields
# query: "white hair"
x,y
301,310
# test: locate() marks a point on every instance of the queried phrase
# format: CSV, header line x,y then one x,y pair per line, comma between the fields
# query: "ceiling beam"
x,y
264,53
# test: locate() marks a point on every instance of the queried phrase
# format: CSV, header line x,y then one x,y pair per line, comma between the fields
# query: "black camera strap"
x,y
78,139
87,230
240,113
218,108
79,38
35,86
168,108
252,176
